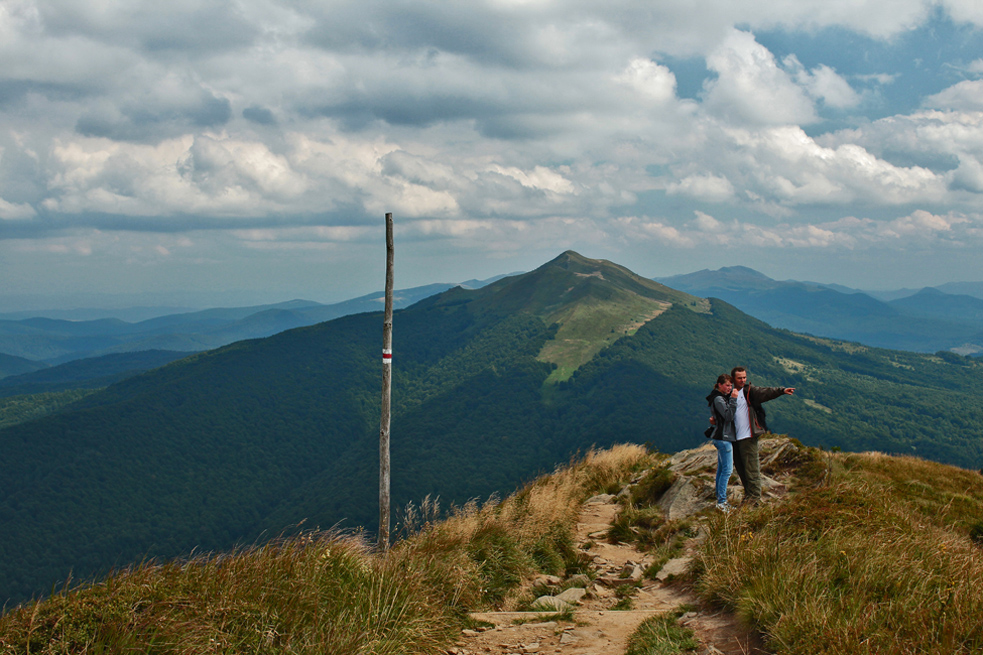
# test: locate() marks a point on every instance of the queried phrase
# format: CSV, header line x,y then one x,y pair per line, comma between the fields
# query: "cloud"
x,y
705,187
16,211
965,96
650,79
949,141
823,83
845,234
751,88
482,125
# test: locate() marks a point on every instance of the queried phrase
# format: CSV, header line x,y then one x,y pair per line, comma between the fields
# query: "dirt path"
x,y
597,628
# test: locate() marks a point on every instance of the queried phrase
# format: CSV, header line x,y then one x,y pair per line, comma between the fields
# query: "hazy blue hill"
x,y
932,302
740,278
974,289
223,446
89,373
811,308
56,341
12,365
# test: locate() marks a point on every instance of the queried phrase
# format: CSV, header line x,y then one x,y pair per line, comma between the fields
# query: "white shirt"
x,y
742,422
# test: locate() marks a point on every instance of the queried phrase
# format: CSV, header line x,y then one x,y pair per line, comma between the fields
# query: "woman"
x,y
723,402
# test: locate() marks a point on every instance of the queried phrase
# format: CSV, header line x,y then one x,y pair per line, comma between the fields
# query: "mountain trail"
x,y
597,628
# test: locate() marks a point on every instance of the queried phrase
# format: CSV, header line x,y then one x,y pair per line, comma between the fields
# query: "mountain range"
x,y
491,387
927,320
53,341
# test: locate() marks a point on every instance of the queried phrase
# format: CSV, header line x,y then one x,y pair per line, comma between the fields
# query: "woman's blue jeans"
x,y
725,466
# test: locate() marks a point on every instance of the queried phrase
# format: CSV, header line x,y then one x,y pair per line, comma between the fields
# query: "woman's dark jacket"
x,y
723,408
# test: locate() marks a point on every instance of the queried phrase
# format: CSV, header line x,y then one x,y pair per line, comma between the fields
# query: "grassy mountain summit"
x,y
239,443
593,303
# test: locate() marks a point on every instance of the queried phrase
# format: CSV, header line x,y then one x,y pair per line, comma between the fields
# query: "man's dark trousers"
x,y
748,468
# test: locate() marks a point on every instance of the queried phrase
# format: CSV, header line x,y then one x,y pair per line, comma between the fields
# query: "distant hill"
x,y
56,340
13,365
927,321
490,387
930,302
90,373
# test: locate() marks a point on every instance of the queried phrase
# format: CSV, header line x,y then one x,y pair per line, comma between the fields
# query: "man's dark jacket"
x,y
754,397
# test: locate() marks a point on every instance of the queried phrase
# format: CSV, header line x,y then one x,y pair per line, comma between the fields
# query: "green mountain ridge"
x,y
240,443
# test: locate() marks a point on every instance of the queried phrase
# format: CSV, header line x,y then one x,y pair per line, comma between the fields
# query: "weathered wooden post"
x,y
387,361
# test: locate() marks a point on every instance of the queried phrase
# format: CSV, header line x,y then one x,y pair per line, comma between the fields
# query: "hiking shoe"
x,y
724,507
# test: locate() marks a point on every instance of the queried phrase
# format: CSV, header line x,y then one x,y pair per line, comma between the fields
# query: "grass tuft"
x,y
662,635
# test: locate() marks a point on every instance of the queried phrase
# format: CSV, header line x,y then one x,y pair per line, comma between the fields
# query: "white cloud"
x,y
823,83
539,178
650,79
21,211
751,88
965,96
969,11
710,188
482,126
849,233
650,229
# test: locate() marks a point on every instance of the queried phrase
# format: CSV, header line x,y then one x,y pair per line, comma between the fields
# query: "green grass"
x,y
875,556
587,328
662,635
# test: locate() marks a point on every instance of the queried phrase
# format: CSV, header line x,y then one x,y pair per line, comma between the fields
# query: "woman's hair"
x,y
723,378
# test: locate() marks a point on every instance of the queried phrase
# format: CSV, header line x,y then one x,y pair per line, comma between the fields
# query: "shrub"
x,y
652,486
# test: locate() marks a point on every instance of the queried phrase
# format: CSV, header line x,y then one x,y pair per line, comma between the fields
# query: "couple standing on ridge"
x,y
738,421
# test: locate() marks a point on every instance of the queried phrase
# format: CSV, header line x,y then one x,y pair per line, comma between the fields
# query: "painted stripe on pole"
x,y
387,356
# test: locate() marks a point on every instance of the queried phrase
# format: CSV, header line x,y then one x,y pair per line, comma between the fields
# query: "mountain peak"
x,y
594,302
743,272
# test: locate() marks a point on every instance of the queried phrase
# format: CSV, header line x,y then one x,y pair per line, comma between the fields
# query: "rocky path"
x,y
596,627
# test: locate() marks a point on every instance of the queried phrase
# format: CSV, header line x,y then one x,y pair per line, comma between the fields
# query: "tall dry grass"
x,y
499,544
878,559
327,593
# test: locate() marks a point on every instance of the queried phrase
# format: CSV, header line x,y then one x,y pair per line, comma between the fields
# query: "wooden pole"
x,y
387,361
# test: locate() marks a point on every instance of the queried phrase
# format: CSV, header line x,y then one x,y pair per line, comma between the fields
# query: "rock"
x,y
600,499
469,633
572,595
599,535
551,604
546,581
677,566
530,648
629,574
687,462
682,500
569,638
601,591
632,570
625,492
579,580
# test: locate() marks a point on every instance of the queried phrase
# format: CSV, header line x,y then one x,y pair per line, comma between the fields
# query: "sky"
x,y
246,151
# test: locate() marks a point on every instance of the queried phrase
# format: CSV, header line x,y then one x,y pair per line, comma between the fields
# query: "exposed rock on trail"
x,y
596,627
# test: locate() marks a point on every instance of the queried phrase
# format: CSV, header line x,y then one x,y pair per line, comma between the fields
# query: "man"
x,y
749,421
